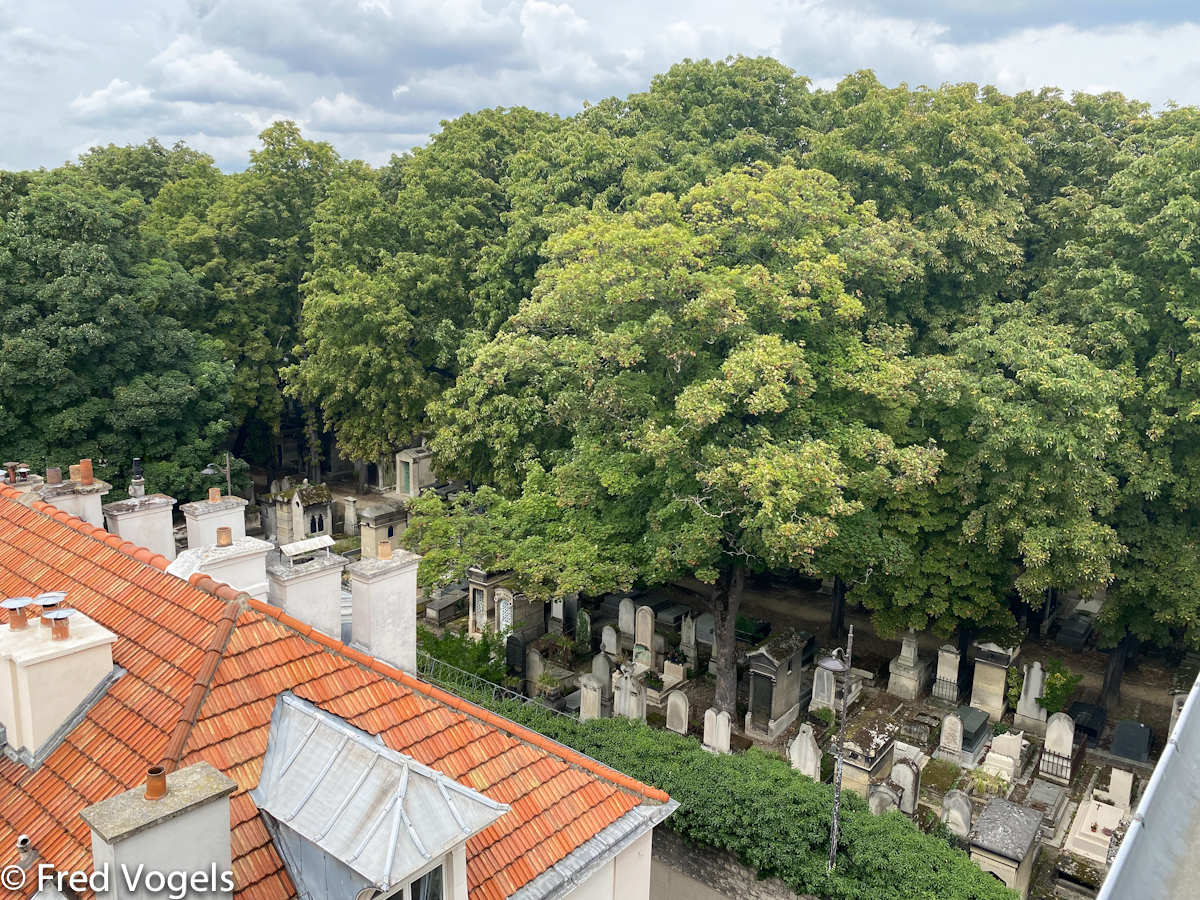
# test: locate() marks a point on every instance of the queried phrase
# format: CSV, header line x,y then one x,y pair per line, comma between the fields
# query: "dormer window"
x,y
354,819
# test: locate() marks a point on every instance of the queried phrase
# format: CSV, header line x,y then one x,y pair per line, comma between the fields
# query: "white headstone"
x,y
687,634
716,731
950,746
609,642
1031,690
824,688
804,754
1060,735
1120,788
589,698
534,667
643,632
948,658
602,669
677,712
906,775
1008,744
625,614
956,813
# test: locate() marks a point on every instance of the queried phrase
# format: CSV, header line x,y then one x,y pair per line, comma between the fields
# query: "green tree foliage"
x,y
246,239
94,360
696,379
144,168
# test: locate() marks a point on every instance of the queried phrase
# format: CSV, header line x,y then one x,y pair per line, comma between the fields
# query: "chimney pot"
x,y
137,467
75,473
17,620
54,475
12,472
156,783
214,494
60,628
385,549
224,536
85,472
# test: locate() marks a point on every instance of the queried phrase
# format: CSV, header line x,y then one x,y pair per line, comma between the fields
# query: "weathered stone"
x,y
804,753
882,797
951,743
583,628
535,666
643,632
906,775
609,641
1030,716
514,653
677,712
957,812
1060,735
625,617
602,669
717,729
590,706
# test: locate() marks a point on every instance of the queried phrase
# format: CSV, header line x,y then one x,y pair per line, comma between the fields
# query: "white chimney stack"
x,y
176,823
241,563
310,591
46,676
145,521
82,495
204,517
384,596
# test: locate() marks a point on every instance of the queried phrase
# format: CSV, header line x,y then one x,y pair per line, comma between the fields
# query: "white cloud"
x,y
188,74
345,113
120,100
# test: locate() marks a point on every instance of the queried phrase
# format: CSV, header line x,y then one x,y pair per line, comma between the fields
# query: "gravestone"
x,y
989,690
687,639
1120,789
909,673
716,731
957,812
951,744
1089,720
1029,715
583,628
906,775
976,732
946,685
917,731
1074,632
706,626
625,617
677,712
882,798
570,613
514,654
630,699
804,754
1131,740
643,637
1050,800
534,667
602,669
1004,758
589,698
609,642
1060,735
555,625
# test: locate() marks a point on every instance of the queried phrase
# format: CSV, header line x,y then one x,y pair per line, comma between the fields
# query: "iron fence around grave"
x,y
1062,768
945,689
468,685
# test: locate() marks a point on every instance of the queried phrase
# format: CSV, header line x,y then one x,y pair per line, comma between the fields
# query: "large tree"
x,y
692,387
94,360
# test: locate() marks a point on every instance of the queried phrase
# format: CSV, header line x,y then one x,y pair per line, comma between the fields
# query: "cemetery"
x,y
964,743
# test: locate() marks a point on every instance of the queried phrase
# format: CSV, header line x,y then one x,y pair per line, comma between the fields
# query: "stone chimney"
x,y
184,829
310,590
46,678
80,496
145,521
241,564
384,597
204,517
17,476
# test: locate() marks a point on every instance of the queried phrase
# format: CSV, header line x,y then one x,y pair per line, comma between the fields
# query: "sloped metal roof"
x,y
1160,856
382,813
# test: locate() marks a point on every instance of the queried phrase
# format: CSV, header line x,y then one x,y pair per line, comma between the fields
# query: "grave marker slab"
x,y
625,617
514,654
609,642
957,812
677,712
804,754
590,706
602,669
1131,740
717,729
1029,716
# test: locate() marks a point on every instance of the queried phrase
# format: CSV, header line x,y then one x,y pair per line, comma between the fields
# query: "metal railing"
x,y
945,689
468,685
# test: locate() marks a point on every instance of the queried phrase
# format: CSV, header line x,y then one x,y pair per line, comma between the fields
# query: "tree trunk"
x,y
964,641
837,617
726,600
1131,661
1110,693
362,477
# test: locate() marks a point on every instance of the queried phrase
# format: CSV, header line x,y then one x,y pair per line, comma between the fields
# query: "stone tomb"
x,y
1074,632
804,754
1004,841
1051,801
948,685
717,730
910,673
1089,720
1091,832
1029,715
1004,758
868,751
1131,740
957,812
964,737
776,678
677,712
989,691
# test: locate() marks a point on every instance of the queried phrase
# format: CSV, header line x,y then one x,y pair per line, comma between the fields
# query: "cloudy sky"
x,y
376,76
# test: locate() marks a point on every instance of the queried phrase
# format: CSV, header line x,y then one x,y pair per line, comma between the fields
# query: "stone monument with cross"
x,y
910,672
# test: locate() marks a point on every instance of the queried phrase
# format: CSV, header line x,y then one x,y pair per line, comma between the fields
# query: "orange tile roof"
x,y
204,665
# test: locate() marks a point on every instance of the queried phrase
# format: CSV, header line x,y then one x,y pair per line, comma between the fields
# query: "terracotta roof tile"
x,y
171,644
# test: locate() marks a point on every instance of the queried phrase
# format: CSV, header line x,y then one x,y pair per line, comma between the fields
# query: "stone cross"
x,y
609,642
906,775
1060,735
534,667
950,746
602,669
677,712
804,754
956,813
625,613
716,731
589,698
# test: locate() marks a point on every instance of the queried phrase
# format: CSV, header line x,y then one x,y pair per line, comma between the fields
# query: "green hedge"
x,y
773,819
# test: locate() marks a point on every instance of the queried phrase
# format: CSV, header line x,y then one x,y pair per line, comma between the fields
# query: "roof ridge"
x,y
466,707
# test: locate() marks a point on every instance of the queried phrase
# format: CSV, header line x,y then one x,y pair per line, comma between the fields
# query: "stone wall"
x,y
681,871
